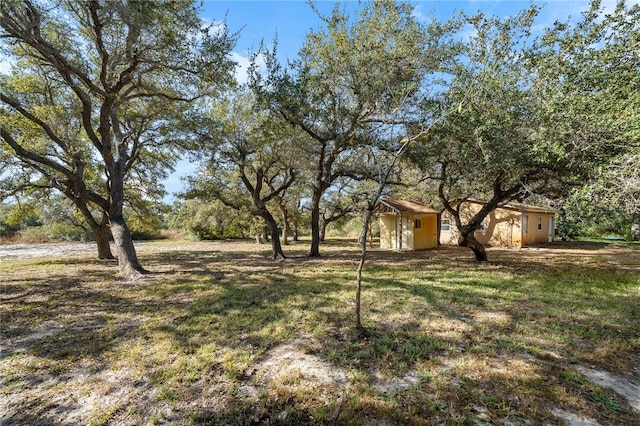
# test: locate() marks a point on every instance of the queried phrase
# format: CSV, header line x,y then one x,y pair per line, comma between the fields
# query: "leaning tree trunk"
x,y
468,239
635,227
323,229
101,230
276,248
128,263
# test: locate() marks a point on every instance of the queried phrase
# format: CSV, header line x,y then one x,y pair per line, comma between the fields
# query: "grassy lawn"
x,y
220,334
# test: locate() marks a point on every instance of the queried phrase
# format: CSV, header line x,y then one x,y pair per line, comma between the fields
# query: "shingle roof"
x,y
517,206
530,208
402,206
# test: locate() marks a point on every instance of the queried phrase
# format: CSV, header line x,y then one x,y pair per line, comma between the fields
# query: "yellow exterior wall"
x,y
535,235
502,229
427,235
412,238
388,227
499,231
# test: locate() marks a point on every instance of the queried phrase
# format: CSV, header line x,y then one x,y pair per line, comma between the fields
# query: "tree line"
x,y
105,97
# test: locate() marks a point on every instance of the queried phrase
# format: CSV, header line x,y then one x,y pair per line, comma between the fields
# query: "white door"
x,y
525,229
405,231
552,228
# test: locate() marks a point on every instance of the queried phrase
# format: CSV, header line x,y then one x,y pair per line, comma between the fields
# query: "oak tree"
x,y
249,161
118,68
360,67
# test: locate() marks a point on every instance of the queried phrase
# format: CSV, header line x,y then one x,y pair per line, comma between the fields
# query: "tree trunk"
x,y
323,228
635,227
315,224
363,256
130,268
285,224
276,248
101,230
103,237
467,239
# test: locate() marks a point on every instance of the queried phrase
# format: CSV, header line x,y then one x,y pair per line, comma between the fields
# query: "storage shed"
x,y
407,225
509,225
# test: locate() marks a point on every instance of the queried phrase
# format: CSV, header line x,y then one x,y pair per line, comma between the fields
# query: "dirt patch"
x,y
391,385
88,396
573,419
292,359
18,340
67,249
629,390
623,387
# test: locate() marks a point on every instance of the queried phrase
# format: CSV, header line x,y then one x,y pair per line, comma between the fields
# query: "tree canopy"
x,y
529,114
357,71
106,95
91,105
250,160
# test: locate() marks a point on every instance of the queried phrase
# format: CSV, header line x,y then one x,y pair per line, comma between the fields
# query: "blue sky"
x,y
292,19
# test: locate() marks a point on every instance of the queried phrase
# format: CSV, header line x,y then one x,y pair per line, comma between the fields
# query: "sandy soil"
x,y
28,251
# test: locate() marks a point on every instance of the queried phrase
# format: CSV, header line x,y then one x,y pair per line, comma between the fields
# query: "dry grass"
x,y
220,334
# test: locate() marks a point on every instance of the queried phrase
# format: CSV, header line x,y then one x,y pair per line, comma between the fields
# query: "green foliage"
x,y
210,220
67,231
350,228
23,215
487,141
590,71
591,87
250,163
144,227
103,97
56,219
584,216
541,115
353,90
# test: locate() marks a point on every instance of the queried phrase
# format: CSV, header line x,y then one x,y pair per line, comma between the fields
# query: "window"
x,y
445,225
539,223
417,224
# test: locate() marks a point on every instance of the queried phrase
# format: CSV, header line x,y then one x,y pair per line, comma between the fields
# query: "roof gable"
x,y
402,206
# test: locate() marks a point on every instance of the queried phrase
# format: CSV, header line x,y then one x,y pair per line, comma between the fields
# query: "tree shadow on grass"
x,y
243,304
458,303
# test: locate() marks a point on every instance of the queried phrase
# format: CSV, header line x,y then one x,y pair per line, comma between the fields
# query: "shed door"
x,y
405,232
552,228
525,229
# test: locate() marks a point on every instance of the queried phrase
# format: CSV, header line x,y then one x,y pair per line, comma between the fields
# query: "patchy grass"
x,y
220,334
